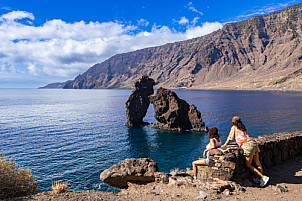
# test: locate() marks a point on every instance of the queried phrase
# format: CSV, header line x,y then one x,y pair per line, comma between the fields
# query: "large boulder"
x,y
138,102
173,113
140,170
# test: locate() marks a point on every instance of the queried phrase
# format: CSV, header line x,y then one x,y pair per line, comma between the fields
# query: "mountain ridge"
x,y
250,54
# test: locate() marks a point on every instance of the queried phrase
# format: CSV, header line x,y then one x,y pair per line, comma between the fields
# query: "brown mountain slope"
x,y
263,52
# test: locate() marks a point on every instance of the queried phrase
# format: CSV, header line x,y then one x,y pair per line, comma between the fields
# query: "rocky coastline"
x,y
285,182
225,178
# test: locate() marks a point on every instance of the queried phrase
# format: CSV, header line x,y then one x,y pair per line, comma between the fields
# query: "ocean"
x,y
73,135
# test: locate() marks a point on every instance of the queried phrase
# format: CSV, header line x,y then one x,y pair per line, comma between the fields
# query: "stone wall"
x,y
228,163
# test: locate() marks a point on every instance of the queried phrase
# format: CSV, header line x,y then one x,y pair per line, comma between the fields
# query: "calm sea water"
x,y
73,135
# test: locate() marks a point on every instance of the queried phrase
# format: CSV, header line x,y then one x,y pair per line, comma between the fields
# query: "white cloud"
x,y
59,51
195,20
192,8
11,16
143,22
183,21
206,28
269,8
5,8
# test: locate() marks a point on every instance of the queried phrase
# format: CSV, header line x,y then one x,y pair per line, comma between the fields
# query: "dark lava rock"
x,y
196,120
140,170
173,113
138,102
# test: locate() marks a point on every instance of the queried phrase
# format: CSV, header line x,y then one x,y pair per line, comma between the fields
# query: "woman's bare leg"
x,y
257,162
248,162
200,162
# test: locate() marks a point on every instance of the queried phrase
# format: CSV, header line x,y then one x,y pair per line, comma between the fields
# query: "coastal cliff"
x,y
263,53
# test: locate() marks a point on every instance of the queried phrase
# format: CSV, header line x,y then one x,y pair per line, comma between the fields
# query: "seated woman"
x,y
215,142
250,149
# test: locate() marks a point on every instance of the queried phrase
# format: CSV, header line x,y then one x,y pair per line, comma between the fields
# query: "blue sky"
x,y
52,41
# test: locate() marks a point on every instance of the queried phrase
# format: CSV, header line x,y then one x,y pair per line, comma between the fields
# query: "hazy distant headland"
x,y
57,85
260,53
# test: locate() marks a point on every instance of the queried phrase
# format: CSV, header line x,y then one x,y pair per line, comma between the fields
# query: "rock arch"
x,y
171,112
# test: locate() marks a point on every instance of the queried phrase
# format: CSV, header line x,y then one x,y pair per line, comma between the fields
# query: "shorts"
x,y
250,148
207,160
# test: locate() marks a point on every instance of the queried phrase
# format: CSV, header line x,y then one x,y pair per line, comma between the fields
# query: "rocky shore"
x,y
285,181
285,184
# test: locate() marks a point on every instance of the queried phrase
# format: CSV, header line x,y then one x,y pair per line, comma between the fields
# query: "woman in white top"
x,y
215,142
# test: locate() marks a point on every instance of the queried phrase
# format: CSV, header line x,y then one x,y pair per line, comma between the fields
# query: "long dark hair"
x,y
239,125
213,133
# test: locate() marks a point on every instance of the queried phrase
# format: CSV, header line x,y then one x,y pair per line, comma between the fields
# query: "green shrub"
x,y
15,181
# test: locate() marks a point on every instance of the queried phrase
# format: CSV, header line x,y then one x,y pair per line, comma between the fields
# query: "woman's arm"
x,y
226,143
230,137
212,146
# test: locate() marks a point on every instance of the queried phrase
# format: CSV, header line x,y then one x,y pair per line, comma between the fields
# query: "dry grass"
x,y
15,180
203,172
58,187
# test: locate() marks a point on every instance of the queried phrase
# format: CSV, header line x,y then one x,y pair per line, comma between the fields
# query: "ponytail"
x,y
239,125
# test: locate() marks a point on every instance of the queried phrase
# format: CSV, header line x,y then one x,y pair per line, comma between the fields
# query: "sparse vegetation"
x,y
175,171
58,187
203,172
15,180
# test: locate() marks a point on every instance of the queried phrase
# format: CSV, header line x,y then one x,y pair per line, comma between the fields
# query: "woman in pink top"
x,y
250,149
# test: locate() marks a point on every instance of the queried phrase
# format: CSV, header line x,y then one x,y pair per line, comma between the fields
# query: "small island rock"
x,y
196,120
138,102
173,113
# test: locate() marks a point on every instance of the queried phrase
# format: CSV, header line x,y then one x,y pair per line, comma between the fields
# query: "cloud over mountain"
x,y
62,50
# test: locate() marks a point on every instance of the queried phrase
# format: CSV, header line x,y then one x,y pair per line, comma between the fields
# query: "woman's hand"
x,y
226,143
204,154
